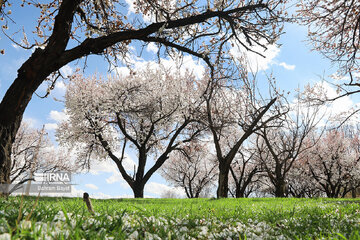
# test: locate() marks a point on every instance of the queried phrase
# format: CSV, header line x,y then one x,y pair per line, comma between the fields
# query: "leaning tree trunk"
x,y
13,105
223,187
30,75
6,136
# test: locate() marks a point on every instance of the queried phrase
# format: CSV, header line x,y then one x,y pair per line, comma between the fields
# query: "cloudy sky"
x,y
291,63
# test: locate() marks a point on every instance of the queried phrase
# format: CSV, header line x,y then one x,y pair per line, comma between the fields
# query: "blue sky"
x,y
292,64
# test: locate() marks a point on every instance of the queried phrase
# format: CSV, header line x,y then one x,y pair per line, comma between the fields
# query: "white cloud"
x,y
106,166
33,123
117,178
131,6
335,111
256,62
110,167
287,66
58,116
340,105
91,186
60,85
114,178
194,66
151,47
158,189
51,126
66,71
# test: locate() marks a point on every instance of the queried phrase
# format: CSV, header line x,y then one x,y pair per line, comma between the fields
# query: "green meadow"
x,y
253,218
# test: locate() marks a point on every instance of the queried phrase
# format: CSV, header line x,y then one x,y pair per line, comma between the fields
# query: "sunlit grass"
x,y
265,218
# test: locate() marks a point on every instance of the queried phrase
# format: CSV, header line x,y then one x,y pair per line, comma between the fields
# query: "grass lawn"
x,y
257,218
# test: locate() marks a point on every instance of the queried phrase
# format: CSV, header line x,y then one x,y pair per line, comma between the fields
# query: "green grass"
x,y
264,218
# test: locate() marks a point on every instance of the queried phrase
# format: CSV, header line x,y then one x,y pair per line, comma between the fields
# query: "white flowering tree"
x,y
68,30
334,162
32,152
191,167
150,111
300,182
233,111
333,29
244,173
280,143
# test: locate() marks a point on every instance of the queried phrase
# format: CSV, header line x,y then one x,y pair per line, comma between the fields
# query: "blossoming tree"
x,y
68,30
280,143
150,111
334,162
301,183
32,152
192,167
233,111
333,30
244,173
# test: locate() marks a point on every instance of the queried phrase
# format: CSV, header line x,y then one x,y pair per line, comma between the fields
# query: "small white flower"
x,y
134,235
25,224
204,230
5,236
40,225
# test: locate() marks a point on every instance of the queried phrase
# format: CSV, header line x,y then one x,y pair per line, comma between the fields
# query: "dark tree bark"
x,y
138,189
243,171
242,182
281,188
353,193
140,177
223,187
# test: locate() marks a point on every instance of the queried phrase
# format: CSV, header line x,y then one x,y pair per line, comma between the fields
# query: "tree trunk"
x,y
7,135
240,192
13,105
138,189
223,187
281,189
353,193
